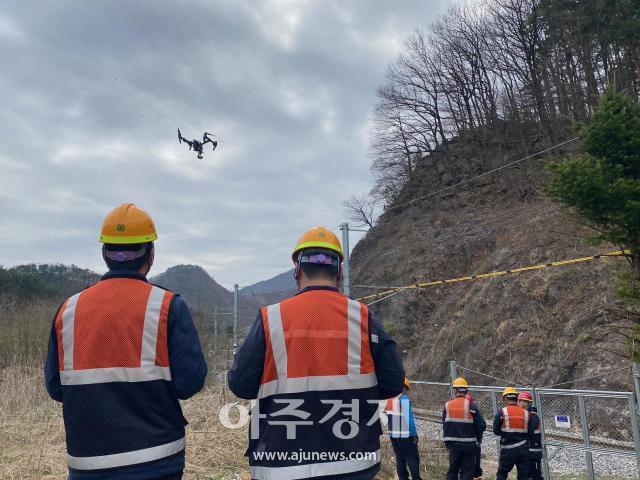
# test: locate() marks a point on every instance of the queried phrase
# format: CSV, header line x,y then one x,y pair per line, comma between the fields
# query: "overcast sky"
x,y
92,94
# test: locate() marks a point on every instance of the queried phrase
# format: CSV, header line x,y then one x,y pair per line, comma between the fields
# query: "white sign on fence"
x,y
563,421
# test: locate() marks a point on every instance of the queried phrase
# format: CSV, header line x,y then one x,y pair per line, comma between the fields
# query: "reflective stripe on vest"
x,y
315,469
126,458
82,364
515,419
513,445
458,421
457,410
321,375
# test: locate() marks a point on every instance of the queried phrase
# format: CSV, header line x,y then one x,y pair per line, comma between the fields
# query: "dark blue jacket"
x,y
511,439
475,429
535,442
246,374
188,372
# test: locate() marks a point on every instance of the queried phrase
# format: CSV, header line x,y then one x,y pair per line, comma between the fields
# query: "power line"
x,y
508,382
540,266
510,164
587,378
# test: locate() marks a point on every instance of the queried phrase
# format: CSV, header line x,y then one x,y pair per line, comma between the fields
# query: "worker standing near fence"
x,y
462,426
477,471
525,400
403,434
514,425
319,363
121,354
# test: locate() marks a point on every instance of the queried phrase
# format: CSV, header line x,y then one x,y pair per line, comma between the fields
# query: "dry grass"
x,y
32,440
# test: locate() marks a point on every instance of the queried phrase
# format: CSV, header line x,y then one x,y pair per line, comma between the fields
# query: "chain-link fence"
x,y
595,432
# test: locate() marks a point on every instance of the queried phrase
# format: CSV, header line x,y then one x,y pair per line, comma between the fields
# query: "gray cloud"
x,y
92,94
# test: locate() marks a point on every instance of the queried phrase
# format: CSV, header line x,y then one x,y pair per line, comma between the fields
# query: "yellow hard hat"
x,y
127,224
509,391
318,237
460,383
406,383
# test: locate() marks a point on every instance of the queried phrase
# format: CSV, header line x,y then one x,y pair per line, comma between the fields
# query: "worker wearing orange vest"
x,y
515,426
403,434
318,363
525,400
121,354
462,425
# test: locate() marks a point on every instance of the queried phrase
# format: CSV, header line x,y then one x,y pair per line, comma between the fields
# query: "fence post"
x,y
545,455
585,437
635,368
633,412
453,373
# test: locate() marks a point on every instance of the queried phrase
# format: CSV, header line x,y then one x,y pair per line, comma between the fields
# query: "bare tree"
x,y
361,210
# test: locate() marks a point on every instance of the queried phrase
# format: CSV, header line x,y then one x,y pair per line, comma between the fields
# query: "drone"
x,y
196,145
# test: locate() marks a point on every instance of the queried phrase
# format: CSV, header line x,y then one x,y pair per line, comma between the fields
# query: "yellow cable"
x,y
499,273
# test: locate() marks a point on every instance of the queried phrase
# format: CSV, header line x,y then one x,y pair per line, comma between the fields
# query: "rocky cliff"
x,y
540,327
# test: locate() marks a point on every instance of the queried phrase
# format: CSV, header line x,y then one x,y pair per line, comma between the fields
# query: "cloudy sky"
x,y
92,94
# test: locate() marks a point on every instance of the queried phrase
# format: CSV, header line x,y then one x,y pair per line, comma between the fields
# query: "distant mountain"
x,y
279,283
200,291
272,290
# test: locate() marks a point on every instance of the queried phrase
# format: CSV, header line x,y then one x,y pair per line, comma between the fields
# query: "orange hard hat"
x,y
127,224
318,237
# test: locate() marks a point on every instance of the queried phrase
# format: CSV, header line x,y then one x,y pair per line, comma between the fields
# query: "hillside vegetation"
x,y
471,112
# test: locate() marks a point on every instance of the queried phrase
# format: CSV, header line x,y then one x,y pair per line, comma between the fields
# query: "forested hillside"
x,y
469,115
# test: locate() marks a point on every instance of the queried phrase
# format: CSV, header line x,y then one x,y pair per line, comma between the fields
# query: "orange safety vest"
x,y
458,421
515,419
133,350
116,331
393,405
306,355
317,341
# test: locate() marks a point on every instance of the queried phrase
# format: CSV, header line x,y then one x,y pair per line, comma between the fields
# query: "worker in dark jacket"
x,y
121,354
403,434
514,425
525,400
477,471
462,424
318,363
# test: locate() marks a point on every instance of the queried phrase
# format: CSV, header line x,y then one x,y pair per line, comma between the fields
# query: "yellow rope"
x,y
540,266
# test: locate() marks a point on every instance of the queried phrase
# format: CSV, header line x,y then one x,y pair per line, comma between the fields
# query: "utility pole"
x,y
235,317
215,340
345,264
453,374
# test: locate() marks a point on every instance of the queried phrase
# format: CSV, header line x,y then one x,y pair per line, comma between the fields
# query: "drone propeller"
x,y
179,137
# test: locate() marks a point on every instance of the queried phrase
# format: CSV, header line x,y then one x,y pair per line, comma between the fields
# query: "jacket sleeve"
x,y
388,365
533,424
248,364
51,367
479,424
186,360
497,424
